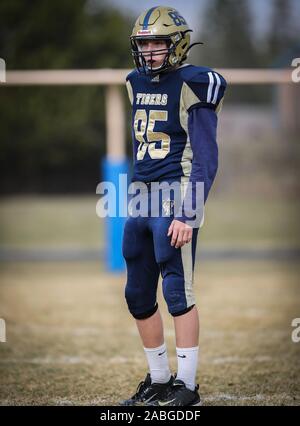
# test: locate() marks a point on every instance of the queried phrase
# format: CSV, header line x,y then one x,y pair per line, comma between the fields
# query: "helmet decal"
x,y
177,19
144,32
147,17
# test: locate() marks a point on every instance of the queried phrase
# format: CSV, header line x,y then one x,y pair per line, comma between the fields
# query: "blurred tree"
x,y
282,34
59,34
229,42
52,138
228,35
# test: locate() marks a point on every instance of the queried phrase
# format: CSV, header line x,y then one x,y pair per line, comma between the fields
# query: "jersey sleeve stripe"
x,y
210,87
217,88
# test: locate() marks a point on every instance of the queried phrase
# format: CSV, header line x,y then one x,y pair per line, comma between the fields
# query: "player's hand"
x,y
181,233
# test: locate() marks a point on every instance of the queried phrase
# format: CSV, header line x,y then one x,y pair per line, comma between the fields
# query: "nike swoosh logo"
x,y
182,356
161,404
161,353
151,397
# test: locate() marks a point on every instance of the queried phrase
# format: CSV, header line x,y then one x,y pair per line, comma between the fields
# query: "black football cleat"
x,y
179,395
148,393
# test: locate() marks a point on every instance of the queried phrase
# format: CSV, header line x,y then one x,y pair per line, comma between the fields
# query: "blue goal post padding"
x,y
111,170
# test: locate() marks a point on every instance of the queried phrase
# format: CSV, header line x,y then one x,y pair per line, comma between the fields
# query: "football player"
x,y
174,123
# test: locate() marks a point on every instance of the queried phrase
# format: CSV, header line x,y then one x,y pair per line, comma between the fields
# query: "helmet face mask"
x,y
160,24
144,59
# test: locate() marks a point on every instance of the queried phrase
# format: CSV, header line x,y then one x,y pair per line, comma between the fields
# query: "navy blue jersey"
x,y
162,123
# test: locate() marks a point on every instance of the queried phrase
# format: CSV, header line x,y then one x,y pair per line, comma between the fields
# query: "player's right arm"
x,y
131,97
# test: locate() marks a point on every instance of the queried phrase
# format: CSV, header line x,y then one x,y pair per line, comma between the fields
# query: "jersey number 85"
x,y
143,126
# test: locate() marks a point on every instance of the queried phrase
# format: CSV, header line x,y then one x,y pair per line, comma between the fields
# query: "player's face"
x,y
157,59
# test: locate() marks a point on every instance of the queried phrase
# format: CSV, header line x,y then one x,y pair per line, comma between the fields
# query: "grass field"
x,y
65,221
71,340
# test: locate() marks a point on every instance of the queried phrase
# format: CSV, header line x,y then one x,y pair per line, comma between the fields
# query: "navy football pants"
x,y
148,252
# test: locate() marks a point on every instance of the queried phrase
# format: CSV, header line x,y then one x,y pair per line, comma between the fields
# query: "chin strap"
x,y
192,45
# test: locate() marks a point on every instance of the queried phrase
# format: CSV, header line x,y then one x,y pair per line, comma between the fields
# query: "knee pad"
x,y
173,291
146,314
175,295
184,311
140,305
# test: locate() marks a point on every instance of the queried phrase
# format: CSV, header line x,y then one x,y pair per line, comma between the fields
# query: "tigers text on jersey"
x,y
160,109
151,99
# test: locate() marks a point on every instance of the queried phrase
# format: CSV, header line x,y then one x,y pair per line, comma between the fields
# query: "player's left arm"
x,y
202,127
202,97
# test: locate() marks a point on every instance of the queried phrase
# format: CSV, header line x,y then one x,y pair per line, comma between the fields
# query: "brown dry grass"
x,y
70,339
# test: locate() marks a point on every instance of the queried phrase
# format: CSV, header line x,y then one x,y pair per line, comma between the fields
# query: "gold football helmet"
x,y
161,23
